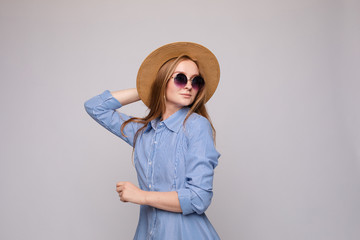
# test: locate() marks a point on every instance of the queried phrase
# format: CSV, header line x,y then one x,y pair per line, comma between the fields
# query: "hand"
x,y
128,192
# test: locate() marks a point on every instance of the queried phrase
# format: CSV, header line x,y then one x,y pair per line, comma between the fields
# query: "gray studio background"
x,y
286,113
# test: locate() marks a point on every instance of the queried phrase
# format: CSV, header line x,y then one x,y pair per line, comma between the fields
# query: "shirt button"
x,y
155,142
149,163
149,185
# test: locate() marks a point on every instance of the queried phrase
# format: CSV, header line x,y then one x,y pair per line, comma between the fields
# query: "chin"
x,y
187,103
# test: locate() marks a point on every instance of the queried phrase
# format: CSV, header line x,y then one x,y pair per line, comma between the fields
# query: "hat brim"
x,y
205,59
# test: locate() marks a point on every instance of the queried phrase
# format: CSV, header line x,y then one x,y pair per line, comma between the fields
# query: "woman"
x,y
173,145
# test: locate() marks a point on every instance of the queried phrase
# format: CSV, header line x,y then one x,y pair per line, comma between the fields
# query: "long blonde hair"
x,y
157,105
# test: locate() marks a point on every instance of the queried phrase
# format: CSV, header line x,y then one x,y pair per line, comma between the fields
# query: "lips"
x,y
186,95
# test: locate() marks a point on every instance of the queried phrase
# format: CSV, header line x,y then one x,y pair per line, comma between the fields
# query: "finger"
x,y
122,199
119,184
118,189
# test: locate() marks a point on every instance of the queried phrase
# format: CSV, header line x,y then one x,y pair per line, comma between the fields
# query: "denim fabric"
x,y
169,156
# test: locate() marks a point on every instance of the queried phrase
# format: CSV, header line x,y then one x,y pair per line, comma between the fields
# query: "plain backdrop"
x,y
286,113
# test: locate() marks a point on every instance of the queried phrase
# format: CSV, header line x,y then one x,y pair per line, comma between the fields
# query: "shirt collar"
x,y
173,122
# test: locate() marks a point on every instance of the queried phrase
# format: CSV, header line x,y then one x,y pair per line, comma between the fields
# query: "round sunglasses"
x,y
181,80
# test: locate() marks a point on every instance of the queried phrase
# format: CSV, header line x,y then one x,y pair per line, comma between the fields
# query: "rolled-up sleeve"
x,y
201,160
102,108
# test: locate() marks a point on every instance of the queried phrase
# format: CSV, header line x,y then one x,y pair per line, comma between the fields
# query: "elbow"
x,y
88,107
192,201
201,202
92,108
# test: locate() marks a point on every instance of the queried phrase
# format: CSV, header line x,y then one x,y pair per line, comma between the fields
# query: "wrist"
x,y
145,198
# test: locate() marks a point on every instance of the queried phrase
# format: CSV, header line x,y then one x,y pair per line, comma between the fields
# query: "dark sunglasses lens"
x,y
198,83
180,80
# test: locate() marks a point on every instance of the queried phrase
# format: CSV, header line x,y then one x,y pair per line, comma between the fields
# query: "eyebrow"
x,y
195,75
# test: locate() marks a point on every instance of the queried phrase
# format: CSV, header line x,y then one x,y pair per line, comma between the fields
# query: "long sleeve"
x,y
201,160
102,108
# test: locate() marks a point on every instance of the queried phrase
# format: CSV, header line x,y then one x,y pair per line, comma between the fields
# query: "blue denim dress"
x,y
169,156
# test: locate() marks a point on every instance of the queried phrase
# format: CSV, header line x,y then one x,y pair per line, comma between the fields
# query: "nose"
x,y
188,84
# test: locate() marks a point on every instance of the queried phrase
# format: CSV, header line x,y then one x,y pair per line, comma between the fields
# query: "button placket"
x,y
152,159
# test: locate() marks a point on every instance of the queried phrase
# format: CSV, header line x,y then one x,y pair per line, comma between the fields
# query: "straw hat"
x,y
205,59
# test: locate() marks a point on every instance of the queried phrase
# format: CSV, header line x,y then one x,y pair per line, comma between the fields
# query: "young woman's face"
x,y
178,97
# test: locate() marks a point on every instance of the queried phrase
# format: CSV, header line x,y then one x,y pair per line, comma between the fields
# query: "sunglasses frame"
x,y
181,84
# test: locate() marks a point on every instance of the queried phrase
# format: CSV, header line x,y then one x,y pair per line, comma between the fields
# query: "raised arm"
x,y
126,96
102,108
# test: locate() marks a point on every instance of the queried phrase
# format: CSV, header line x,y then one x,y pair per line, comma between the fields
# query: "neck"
x,y
170,110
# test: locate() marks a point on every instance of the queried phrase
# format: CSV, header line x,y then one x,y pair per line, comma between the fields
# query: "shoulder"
x,y
197,120
197,125
199,137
